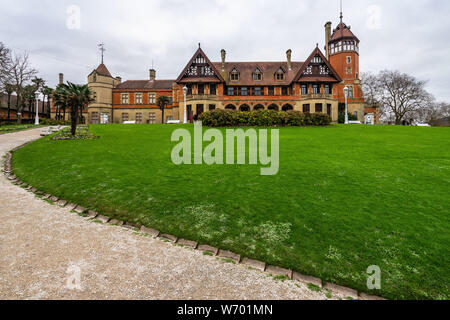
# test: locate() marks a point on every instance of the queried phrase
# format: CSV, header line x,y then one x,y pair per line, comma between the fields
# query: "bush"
x,y
262,118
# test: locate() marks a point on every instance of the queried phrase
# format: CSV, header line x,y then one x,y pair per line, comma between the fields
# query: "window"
x,y
94,96
212,89
169,118
152,98
257,75
138,117
244,91
306,108
349,60
212,107
284,91
124,117
234,75
125,98
189,87
230,91
138,98
258,91
329,109
316,89
152,117
94,118
319,108
95,78
201,89
279,75
271,91
327,89
349,70
304,89
350,92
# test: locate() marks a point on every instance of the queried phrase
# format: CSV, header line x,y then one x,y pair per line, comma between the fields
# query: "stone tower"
x,y
101,83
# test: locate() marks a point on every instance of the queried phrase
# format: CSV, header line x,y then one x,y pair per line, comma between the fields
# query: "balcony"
x,y
317,96
201,97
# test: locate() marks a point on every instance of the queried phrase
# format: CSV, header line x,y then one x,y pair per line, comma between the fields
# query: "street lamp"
x,y
346,89
185,90
36,121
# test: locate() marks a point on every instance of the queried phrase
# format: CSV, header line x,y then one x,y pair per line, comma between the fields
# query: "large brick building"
x,y
315,85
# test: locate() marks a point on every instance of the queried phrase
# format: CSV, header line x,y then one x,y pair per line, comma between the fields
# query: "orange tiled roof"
x,y
342,31
146,84
268,69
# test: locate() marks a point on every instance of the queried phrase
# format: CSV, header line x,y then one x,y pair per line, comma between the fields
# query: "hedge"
x,y
262,118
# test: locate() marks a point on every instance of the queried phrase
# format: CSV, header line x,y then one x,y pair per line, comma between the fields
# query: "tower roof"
x,y
342,31
103,71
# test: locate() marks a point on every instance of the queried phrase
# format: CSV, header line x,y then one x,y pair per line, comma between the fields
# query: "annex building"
x,y
315,85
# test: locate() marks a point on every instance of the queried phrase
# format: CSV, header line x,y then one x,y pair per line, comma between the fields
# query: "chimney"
x,y
289,59
61,78
223,53
119,79
327,39
152,74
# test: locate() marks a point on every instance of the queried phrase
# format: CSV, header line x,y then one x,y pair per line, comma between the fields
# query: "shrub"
x,y
262,118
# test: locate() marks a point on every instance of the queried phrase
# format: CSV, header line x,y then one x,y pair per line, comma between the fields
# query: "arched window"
x,y
244,108
288,107
234,75
258,107
274,107
230,107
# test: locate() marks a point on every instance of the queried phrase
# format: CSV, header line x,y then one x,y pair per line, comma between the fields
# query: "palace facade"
x,y
315,85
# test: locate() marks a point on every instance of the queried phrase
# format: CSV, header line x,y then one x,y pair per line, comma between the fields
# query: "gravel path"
x,y
42,246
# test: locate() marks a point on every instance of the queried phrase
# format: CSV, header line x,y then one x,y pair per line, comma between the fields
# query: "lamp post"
x,y
185,90
36,121
346,104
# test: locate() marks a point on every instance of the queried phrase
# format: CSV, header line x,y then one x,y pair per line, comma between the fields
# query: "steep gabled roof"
x,y
342,31
103,71
214,78
333,77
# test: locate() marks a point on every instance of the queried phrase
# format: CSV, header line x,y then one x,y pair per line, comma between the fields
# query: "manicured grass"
x,y
345,198
16,127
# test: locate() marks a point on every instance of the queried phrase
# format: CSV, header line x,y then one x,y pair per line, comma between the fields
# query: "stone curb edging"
x,y
216,252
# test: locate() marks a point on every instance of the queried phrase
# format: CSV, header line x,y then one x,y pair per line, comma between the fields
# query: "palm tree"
x,y
162,102
77,98
29,96
60,100
9,89
47,92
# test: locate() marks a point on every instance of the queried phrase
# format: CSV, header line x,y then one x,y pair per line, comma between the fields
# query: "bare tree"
x,y
5,65
401,94
21,73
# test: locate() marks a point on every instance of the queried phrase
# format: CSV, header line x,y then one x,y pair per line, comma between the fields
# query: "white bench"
x,y
129,122
173,122
354,122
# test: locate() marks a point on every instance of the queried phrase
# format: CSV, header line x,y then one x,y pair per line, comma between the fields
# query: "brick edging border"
x,y
217,252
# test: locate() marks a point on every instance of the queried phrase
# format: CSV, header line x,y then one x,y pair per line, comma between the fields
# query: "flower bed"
x,y
83,133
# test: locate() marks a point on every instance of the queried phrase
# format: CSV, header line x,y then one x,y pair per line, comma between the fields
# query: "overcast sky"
x,y
410,36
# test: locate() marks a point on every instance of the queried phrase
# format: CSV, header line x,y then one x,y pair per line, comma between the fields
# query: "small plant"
x,y
313,287
207,253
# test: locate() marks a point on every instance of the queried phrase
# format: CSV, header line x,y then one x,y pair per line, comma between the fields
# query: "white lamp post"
x,y
346,89
36,121
185,90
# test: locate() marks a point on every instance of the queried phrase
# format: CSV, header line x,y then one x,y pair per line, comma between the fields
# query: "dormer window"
x,y
257,75
279,75
234,75
317,59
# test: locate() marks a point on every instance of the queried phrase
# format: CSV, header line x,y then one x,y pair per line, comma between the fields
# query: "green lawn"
x,y
345,198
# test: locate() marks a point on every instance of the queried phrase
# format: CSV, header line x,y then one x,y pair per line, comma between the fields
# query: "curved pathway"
x,y
43,247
